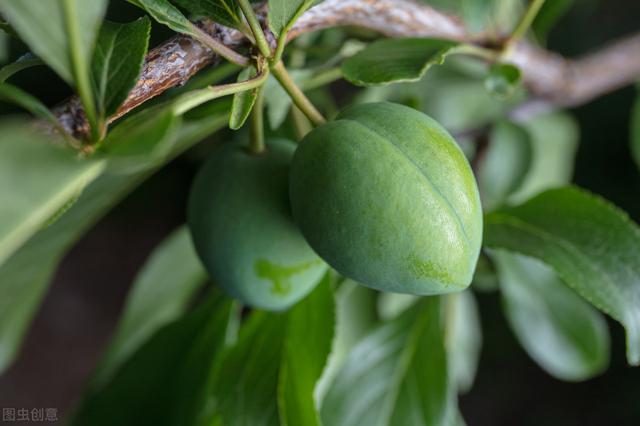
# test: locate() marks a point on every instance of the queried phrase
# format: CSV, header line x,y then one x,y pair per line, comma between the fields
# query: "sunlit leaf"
x,y
243,101
37,178
269,376
58,31
225,12
22,286
283,13
396,375
395,60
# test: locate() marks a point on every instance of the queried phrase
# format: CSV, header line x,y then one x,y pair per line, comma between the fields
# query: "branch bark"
x,y
551,79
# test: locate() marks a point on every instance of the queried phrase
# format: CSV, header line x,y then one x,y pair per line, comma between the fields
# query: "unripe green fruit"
x,y
385,196
240,220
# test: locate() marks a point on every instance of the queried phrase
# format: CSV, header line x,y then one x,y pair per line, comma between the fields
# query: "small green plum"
x,y
386,197
240,220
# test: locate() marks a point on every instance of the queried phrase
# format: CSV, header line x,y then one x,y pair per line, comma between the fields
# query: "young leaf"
x,y
505,164
283,13
278,357
117,62
395,60
635,131
60,32
243,101
396,375
37,178
502,80
463,338
22,286
225,12
561,332
160,294
167,14
170,371
592,246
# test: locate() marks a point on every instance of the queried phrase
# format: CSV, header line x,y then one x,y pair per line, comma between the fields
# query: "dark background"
x,y
83,304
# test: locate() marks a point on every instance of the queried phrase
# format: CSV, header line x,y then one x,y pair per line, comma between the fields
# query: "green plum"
x,y
386,197
240,219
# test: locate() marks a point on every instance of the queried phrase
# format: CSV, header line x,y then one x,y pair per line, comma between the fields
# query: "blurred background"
x,y
82,306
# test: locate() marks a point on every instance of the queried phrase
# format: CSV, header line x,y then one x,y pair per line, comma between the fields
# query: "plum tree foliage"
x,y
327,269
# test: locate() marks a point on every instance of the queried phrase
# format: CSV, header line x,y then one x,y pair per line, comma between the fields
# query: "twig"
x,y
550,78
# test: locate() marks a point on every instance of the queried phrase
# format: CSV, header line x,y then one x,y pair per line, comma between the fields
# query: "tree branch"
x,y
551,79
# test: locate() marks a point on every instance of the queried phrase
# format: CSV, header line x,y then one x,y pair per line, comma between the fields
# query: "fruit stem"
x,y
257,124
524,24
296,94
256,29
195,98
218,47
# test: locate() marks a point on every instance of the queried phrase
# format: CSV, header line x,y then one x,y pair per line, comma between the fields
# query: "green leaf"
x,y
170,371
503,80
593,247
635,131
277,100
396,375
225,12
561,332
355,317
554,139
117,61
4,47
391,305
283,13
167,14
307,345
463,338
395,60
550,13
505,163
243,101
160,294
42,24
143,139
37,178
269,376
23,63
14,94
22,285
